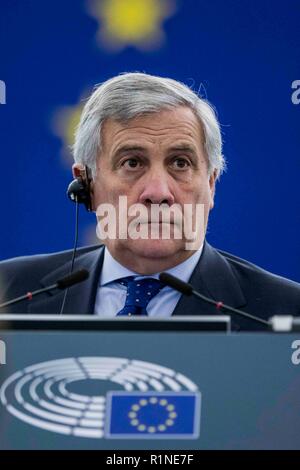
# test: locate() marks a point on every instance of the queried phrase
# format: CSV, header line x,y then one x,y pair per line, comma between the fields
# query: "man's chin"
x,y
155,249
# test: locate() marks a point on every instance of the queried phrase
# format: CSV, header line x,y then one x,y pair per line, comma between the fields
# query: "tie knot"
x,y
141,291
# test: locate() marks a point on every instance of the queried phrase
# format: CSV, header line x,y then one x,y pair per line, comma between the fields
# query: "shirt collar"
x,y
113,270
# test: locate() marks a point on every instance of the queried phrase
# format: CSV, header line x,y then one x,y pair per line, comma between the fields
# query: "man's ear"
x,y
77,168
81,171
212,184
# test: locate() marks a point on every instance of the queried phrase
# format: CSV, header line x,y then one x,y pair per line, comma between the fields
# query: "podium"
x,y
78,383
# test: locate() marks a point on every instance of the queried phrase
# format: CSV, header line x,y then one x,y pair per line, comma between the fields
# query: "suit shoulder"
x,y
247,271
35,265
59,257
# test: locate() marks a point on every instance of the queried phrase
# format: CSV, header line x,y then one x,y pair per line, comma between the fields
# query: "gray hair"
x,y
132,94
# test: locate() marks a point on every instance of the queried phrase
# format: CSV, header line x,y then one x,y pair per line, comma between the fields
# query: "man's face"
x,y
153,159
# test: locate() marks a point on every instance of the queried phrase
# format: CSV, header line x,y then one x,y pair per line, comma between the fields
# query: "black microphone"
x,y
71,279
187,289
65,282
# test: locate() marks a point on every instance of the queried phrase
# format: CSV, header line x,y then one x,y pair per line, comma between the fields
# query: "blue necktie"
x,y
139,294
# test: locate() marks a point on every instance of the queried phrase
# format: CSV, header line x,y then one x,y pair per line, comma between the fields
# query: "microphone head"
x,y
175,283
71,279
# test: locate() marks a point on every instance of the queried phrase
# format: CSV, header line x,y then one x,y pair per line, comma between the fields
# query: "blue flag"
x,y
173,415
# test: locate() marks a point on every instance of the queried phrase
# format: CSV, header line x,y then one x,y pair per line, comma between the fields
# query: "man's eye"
x,y
180,163
132,163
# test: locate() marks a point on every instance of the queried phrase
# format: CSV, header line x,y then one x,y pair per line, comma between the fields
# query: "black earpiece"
x,y
79,190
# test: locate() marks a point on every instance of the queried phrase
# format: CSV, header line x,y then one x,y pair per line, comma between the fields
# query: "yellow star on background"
x,y
131,22
64,123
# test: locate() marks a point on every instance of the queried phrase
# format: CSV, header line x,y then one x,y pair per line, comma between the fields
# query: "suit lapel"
x,y
81,297
213,277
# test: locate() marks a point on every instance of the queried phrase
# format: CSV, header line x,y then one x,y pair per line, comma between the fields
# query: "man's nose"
x,y
156,190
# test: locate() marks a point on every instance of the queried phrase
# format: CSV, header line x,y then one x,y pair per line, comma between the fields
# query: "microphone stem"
x,y
224,307
29,295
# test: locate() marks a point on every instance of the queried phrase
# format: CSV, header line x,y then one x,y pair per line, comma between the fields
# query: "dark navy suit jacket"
x,y
218,275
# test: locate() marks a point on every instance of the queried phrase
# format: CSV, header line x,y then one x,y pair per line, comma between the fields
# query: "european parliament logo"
x,y
174,415
77,397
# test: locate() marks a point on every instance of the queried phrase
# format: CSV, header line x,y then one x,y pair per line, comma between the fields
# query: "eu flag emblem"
x,y
173,415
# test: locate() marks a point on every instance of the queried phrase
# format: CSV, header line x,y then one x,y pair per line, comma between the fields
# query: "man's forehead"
x,y
180,121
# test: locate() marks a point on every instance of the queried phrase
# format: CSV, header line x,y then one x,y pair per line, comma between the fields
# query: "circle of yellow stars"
x,y
163,402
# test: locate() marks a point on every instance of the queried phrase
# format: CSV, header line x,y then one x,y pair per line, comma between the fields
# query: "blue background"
x,y
246,54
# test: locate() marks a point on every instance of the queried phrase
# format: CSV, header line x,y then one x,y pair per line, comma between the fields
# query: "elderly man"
x,y
154,142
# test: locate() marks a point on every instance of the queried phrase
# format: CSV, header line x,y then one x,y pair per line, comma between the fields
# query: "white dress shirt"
x,y
111,295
